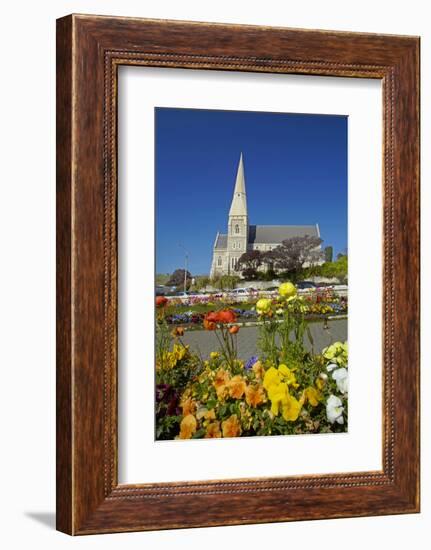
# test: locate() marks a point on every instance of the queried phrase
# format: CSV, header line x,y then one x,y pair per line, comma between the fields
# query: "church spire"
x,y
239,199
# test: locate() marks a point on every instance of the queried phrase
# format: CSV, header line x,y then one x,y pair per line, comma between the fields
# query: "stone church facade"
x,y
242,237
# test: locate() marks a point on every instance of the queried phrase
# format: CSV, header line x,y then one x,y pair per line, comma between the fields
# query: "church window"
x,y
239,246
233,245
236,228
219,260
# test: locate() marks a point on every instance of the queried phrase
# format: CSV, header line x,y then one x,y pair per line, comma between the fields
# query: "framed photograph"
x,y
237,274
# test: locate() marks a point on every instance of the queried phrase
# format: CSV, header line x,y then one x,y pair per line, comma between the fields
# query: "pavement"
x,y
203,342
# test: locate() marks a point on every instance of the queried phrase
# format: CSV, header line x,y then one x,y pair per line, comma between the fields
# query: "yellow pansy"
x,y
288,376
214,355
277,394
312,396
271,378
291,408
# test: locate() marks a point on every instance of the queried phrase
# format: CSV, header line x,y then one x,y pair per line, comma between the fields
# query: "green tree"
x,y
329,252
249,263
177,279
201,282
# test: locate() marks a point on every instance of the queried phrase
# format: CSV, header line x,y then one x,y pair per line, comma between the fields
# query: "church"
x,y
242,237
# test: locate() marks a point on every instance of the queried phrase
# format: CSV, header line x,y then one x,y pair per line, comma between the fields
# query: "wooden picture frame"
x,y
89,51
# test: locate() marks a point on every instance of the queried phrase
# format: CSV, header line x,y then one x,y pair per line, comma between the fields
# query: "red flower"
x,y
161,301
234,329
212,317
226,316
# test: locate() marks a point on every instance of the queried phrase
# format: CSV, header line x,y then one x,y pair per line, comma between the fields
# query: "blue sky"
x,y
295,173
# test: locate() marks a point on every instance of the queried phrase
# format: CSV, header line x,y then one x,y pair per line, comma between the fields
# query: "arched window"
x,y
233,245
219,260
237,229
239,246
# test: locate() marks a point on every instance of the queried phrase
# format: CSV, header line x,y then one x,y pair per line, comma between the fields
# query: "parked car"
x,y
306,285
239,291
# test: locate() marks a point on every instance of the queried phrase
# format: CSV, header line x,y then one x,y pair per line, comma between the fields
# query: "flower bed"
x,y
284,390
314,305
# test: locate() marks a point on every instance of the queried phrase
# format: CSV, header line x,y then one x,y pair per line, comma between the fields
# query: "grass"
x,y
205,308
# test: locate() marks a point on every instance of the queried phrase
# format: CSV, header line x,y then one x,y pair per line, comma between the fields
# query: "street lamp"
x,y
185,266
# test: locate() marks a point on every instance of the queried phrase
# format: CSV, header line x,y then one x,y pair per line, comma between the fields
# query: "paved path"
x,y
204,342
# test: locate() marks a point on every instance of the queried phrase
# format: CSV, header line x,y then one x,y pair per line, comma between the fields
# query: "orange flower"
x,y
234,329
254,395
237,387
258,370
220,383
178,331
213,430
209,325
188,406
231,427
161,301
187,427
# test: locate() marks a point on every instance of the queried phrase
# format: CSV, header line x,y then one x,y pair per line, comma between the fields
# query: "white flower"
x,y
341,376
331,367
334,410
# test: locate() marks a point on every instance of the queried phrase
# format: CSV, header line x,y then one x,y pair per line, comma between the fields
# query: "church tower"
x,y
237,237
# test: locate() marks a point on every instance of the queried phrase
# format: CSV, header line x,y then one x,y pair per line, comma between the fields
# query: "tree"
x,y
225,282
329,252
177,279
250,262
293,253
201,282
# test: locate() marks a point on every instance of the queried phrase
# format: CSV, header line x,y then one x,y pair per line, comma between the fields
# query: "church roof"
x,y
239,199
221,241
274,234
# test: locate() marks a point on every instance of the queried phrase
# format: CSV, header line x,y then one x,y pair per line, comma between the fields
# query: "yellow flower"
x,y
291,408
231,427
337,353
263,306
237,387
254,395
288,376
321,380
213,430
312,396
287,290
214,355
271,378
277,394
188,427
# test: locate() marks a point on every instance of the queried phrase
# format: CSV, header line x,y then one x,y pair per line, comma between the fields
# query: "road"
x,y
204,342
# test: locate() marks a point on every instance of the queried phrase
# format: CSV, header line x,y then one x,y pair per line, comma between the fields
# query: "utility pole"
x,y
185,267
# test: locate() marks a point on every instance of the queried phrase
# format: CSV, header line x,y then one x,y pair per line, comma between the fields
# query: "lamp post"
x,y
185,266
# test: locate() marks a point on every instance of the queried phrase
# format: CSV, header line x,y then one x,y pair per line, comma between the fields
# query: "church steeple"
x,y
239,199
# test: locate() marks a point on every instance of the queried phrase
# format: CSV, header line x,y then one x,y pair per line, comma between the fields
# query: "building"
x,y
241,236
